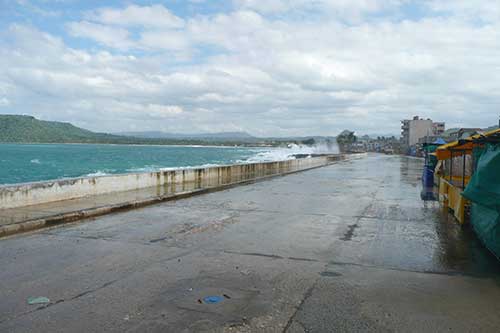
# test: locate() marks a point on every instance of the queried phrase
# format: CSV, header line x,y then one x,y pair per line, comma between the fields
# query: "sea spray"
x,y
28,163
286,153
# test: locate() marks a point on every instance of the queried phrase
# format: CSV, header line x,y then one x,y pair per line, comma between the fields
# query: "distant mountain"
x,y
28,129
15,128
202,136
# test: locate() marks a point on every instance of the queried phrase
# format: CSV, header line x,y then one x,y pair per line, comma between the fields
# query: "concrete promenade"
x,y
347,247
30,206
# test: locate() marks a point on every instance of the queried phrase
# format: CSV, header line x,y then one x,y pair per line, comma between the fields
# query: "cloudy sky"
x,y
268,67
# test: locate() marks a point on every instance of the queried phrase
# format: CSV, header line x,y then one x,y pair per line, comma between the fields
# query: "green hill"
x,y
15,128
28,129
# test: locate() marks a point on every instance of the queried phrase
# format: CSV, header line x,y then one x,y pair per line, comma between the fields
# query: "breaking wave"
x,y
154,168
257,155
281,154
260,155
98,173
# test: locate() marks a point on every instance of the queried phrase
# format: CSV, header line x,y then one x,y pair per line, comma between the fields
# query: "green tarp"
x,y
432,162
484,186
484,192
486,224
476,154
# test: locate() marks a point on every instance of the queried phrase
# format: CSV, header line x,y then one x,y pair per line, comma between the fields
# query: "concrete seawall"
x,y
166,181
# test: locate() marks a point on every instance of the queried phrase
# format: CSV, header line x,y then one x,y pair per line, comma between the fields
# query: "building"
x,y
387,145
460,133
438,128
412,130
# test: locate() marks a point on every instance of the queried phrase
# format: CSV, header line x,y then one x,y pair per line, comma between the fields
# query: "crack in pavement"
x,y
46,306
90,291
271,256
388,268
340,263
307,294
77,296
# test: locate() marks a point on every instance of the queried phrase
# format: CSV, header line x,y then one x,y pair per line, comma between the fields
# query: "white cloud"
x,y
488,11
342,9
270,6
156,16
37,9
4,102
163,111
269,74
110,36
136,110
166,40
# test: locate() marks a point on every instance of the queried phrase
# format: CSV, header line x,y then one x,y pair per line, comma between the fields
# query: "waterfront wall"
x,y
173,181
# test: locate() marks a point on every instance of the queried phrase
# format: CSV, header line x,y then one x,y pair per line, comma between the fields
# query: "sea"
x,y
21,163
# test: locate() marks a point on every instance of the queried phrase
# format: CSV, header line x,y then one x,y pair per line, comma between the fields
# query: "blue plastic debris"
x,y
212,299
38,300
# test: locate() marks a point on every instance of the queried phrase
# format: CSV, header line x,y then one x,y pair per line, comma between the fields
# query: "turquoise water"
x,y
21,163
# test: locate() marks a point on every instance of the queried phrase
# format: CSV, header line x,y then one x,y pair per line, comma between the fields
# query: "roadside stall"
x,y
457,164
483,191
452,175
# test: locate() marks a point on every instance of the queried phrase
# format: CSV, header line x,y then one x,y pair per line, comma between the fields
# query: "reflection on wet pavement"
x,y
345,247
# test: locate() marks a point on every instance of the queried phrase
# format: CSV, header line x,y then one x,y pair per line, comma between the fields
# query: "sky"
x,y
270,68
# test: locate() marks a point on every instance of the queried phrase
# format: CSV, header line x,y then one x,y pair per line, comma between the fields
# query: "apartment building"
x,y
414,129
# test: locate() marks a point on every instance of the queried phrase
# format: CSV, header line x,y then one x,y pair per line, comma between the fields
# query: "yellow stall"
x,y
453,172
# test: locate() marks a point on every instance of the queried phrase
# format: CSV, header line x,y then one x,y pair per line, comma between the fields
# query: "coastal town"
x,y
459,170
416,133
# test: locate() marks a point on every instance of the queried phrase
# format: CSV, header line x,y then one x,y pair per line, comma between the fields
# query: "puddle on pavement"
x,y
456,247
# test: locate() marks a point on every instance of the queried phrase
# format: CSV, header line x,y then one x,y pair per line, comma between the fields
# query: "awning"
x,y
465,146
457,148
439,141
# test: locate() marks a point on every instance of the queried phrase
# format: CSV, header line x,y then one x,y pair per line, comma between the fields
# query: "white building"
x,y
416,128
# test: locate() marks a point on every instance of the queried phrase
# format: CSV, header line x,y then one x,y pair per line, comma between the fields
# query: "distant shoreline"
x,y
137,144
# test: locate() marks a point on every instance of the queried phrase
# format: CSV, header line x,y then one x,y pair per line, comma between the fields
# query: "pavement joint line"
x,y
360,217
90,291
257,210
68,217
270,256
388,268
46,306
340,263
107,239
198,311
22,314
307,294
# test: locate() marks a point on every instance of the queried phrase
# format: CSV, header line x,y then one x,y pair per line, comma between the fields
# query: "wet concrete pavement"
x,y
349,247
20,215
